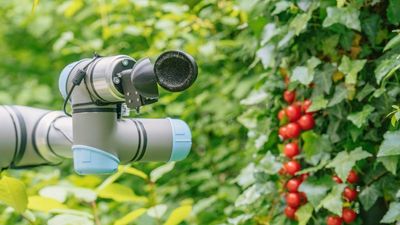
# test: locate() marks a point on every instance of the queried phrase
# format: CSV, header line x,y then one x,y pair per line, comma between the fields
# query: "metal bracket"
x,y
132,96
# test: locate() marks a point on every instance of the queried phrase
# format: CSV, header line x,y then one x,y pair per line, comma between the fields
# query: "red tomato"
x,y
349,215
293,200
292,167
334,220
337,179
353,177
306,104
291,150
290,212
303,198
293,112
293,185
289,96
350,194
281,114
306,122
293,130
304,176
283,132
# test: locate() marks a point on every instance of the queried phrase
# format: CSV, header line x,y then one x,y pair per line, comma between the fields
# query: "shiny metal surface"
x,y
101,77
41,134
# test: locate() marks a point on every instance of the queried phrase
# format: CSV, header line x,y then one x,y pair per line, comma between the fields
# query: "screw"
x,y
125,62
116,80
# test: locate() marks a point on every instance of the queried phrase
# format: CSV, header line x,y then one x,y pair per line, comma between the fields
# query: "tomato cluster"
x,y
350,195
295,119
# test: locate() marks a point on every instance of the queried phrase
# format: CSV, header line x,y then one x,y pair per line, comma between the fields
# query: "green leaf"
x,y
344,161
392,12
390,163
130,217
323,80
390,145
339,96
267,55
269,164
238,220
269,31
328,46
386,67
120,193
72,212
371,25
316,189
43,204
158,172
66,219
315,146
13,193
394,42
333,201
340,3
83,194
299,23
300,73
304,213
179,215
351,68
254,193
246,176
281,6
255,97
318,103
367,90
133,171
305,74
347,16
58,193
369,195
159,210
360,118
393,214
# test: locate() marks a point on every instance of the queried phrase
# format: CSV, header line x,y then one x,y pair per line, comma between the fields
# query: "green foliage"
x,y
343,55
316,189
304,214
13,193
333,201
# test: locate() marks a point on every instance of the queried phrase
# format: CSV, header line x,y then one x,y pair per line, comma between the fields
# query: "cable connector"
x,y
77,80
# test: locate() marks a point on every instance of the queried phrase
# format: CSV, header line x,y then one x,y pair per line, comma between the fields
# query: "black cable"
x,y
76,81
67,99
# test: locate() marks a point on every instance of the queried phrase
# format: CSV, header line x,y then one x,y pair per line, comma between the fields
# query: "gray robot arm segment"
x,y
33,137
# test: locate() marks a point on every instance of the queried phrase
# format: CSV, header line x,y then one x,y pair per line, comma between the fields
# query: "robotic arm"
x,y
98,136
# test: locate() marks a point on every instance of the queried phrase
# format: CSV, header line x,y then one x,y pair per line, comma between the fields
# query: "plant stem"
x,y
95,213
377,178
